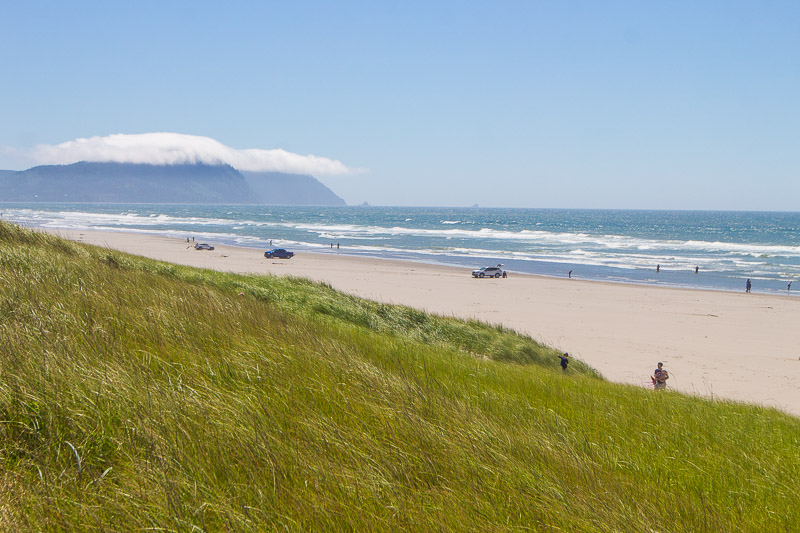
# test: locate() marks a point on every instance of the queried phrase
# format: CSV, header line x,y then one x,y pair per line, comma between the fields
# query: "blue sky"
x,y
652,105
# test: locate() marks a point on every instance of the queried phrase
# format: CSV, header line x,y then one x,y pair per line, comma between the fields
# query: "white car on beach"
x,y
490,272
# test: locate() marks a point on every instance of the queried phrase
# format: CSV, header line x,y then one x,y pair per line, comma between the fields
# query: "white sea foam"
x,y
69,218
550,238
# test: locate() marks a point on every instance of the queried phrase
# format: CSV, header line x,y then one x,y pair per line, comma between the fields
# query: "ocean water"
x,y
726,248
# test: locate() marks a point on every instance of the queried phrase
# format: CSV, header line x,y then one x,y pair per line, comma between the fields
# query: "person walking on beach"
x,y
789,286
747,285
660,377
569,274
564,361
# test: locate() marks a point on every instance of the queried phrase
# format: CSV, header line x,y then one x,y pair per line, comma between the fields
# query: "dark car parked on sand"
x,y
279,253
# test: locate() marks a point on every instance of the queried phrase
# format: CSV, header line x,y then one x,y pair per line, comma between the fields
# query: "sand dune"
x,y
737,346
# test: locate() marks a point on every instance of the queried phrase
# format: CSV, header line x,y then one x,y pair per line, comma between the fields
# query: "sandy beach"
x,y
737,346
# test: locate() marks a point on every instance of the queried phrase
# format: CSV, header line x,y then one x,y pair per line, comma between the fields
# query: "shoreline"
x,y
599,245
715,343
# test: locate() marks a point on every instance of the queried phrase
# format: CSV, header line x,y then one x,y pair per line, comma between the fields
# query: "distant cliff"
x,y
137,183
278,188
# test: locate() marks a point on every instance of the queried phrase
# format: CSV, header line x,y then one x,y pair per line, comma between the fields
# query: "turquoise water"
x,y
726,248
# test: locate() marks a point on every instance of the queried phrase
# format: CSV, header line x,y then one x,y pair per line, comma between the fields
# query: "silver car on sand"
x,y
490,272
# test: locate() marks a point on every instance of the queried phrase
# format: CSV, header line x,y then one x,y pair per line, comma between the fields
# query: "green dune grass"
x,y
139,395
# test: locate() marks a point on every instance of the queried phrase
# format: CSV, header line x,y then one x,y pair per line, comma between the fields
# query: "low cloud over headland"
x,y
175,148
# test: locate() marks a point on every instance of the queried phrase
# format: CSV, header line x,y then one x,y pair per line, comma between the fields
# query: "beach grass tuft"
x,y
140,395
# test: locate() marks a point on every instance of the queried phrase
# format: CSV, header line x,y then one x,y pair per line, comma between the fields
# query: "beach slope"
x,y
735,346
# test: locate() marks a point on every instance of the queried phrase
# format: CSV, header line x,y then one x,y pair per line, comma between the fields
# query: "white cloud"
x,y
175,148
